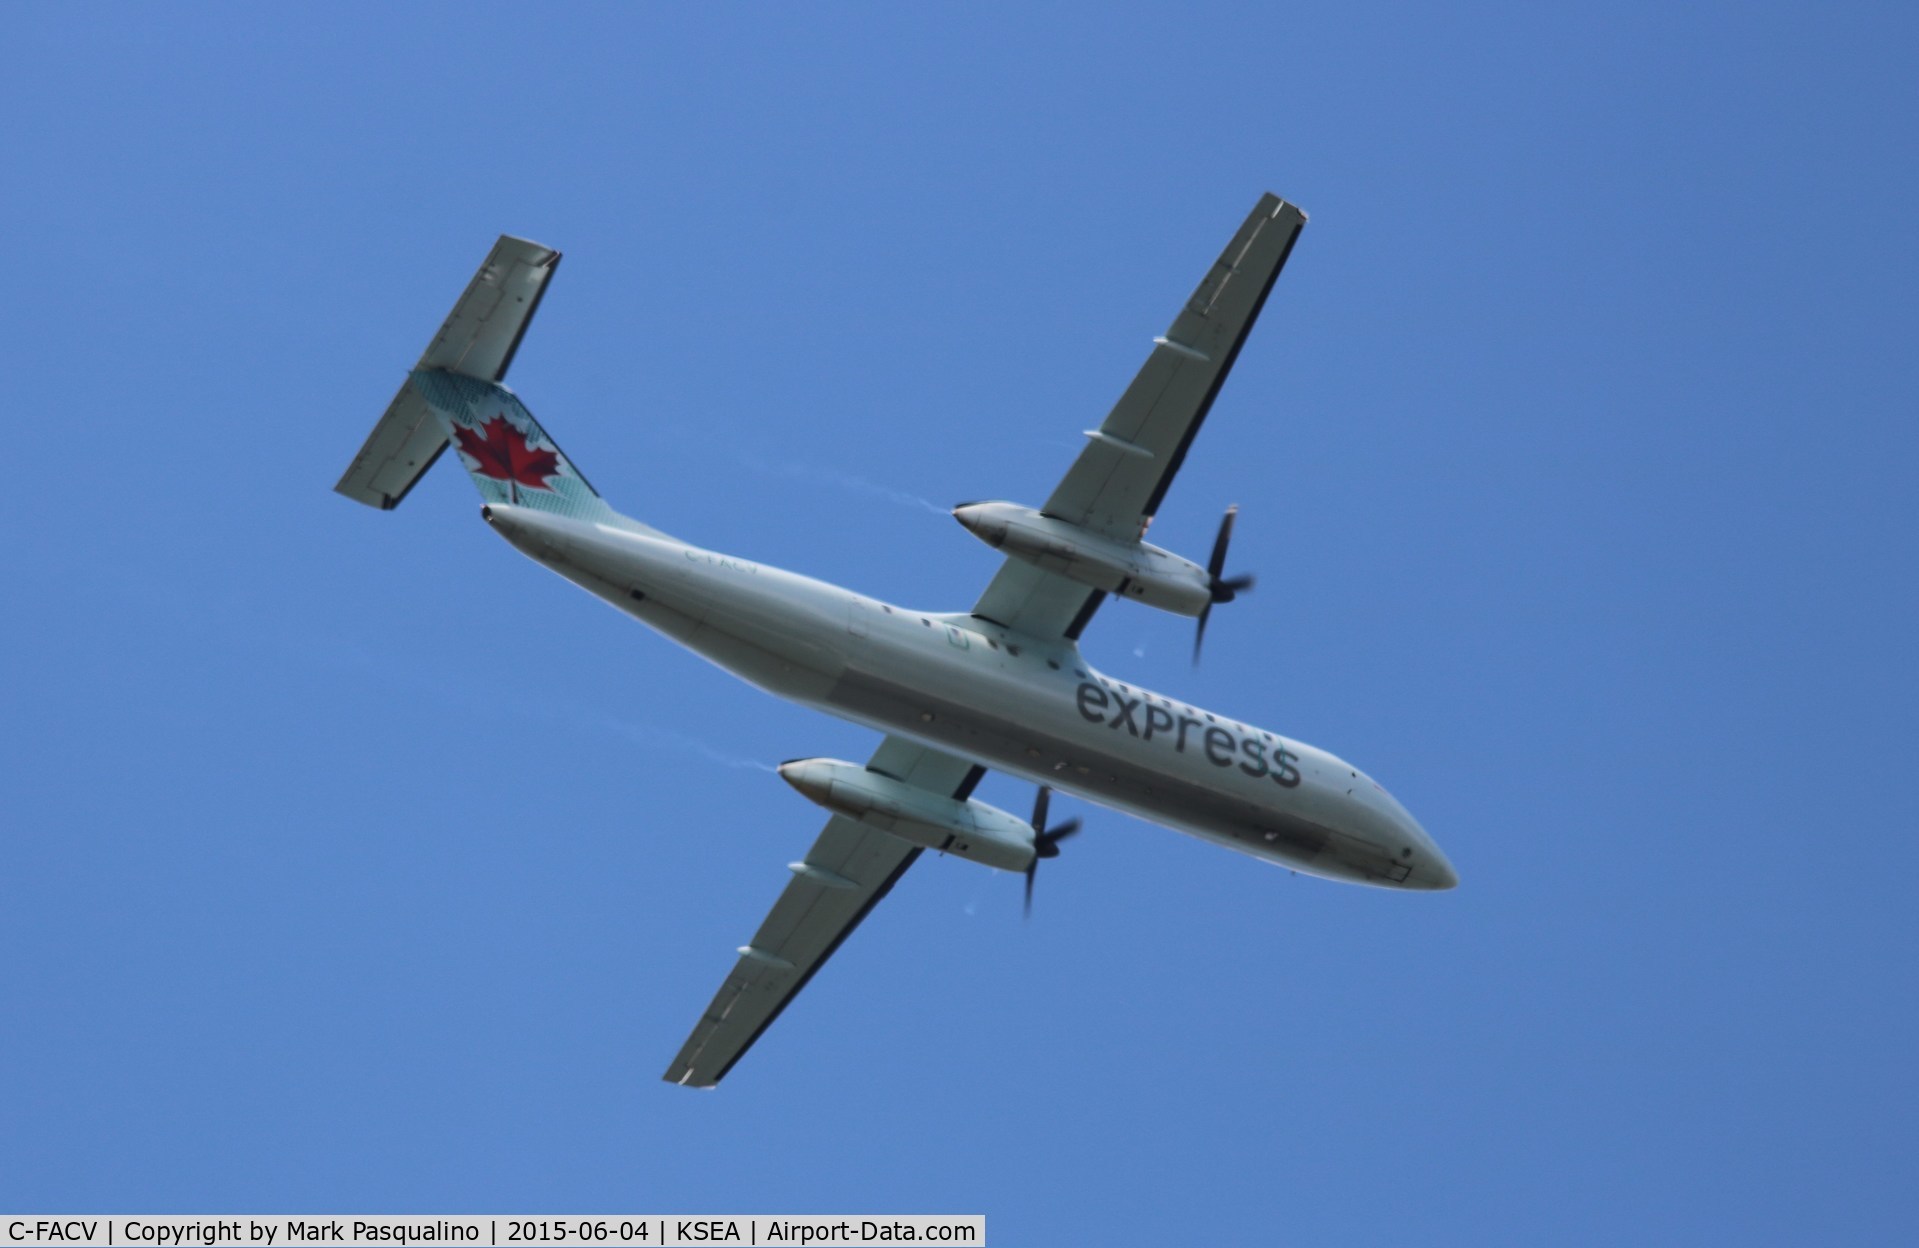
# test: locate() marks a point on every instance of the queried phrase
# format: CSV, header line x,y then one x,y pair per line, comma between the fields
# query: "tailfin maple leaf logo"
x,y
500,451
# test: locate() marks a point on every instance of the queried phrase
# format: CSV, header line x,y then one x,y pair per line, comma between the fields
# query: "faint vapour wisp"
x,y
838,480
653,735
578,716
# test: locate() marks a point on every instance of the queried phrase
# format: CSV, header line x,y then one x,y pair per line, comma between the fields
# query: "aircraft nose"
x,y
1432,872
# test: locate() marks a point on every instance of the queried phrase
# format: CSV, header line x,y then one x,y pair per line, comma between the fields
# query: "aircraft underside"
x,y
1002,686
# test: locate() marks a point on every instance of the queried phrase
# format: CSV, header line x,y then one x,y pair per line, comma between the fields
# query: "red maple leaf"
x,y
502,453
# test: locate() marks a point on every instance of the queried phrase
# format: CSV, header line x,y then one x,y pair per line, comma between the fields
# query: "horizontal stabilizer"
x,y
478,341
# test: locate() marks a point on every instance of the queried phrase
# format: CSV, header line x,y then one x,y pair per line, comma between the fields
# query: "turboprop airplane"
x,y
1002,686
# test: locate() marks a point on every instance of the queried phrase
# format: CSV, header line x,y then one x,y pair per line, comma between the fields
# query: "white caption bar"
x,y
492,1231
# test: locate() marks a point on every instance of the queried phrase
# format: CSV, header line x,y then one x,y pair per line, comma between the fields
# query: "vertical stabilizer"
x,y
509,456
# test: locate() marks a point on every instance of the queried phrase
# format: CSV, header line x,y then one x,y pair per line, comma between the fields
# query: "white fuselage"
x,y
1030,708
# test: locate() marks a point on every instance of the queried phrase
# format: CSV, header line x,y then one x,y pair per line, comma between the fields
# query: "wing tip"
x,y
1271,206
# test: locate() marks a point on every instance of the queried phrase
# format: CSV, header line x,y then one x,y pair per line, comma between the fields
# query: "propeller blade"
x,y
1223,588
1048,844
1218,562
1045,840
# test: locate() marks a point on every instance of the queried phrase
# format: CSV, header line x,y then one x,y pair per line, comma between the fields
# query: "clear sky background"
x,y
352,862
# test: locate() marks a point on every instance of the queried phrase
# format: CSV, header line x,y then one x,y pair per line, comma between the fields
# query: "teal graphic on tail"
x,y
509,456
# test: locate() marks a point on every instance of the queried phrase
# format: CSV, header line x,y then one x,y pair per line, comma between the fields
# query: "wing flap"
x,y
1115,491
847,872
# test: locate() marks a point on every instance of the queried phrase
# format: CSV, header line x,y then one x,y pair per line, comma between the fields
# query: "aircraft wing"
x,y
846,873
1115,486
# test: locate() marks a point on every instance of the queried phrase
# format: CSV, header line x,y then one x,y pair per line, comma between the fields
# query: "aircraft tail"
x,y
453,397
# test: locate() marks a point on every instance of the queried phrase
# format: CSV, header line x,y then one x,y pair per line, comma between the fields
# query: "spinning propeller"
x,y
1224,588
1046,840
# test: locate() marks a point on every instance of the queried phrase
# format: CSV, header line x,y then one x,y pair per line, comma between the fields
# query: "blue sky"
x,y
354,863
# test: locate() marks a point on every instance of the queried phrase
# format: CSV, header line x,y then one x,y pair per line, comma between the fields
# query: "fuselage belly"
x,y
1018,705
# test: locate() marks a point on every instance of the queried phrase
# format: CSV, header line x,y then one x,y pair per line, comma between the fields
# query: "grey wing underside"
x,y
1115,486
846,873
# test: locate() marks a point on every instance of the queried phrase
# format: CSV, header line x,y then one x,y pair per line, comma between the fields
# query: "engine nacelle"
x,y
971,829
1136,570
